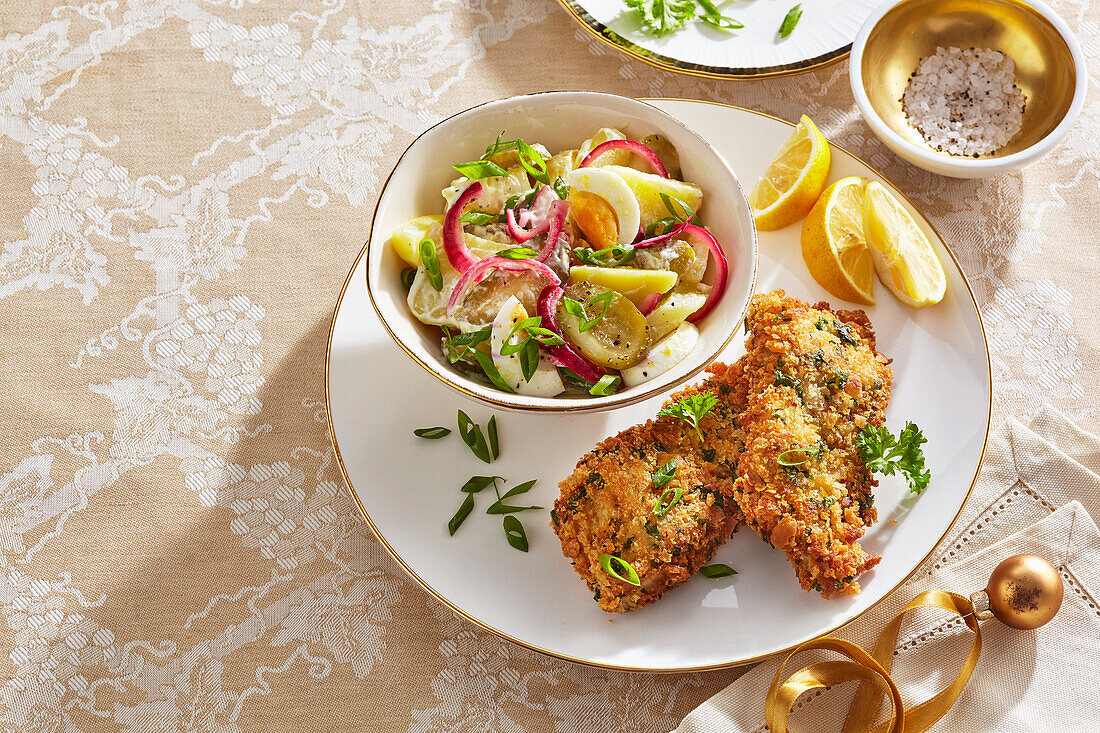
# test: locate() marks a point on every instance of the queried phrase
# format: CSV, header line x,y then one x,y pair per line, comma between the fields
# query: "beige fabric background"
x,y
185,185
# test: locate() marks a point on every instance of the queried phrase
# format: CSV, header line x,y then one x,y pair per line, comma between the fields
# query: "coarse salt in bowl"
x,y
913,61
558,120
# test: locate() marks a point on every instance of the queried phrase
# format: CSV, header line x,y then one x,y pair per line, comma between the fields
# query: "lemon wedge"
x,y
903,256
834,245
794,180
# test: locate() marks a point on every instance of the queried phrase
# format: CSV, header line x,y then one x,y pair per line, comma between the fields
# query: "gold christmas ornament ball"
x,y
1025,591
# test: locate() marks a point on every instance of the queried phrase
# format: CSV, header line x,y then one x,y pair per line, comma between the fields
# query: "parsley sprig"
x,y
691,409
885,454
661,17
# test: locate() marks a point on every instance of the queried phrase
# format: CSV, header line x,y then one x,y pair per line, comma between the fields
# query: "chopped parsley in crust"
x,y
814,380
607,504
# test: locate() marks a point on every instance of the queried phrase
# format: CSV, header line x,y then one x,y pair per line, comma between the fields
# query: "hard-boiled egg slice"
x,y
663,356
614,190
545,382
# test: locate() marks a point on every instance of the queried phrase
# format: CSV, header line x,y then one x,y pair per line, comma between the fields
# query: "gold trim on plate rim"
x,y
666,63
676,670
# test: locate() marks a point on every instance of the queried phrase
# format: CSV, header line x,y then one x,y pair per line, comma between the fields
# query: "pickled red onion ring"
x,y
530,222
721,272
454,244
633,146
555,228
661,238
480,269
564,355
649,303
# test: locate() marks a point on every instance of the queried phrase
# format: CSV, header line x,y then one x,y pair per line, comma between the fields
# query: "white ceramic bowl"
x,y
1050,69
558,120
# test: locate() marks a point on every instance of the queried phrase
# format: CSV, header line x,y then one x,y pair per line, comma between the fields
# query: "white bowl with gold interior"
x,y
558,120
1049,69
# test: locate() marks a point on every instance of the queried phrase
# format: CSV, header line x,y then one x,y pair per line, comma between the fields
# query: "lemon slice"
x,y
794,180
903,256
834,246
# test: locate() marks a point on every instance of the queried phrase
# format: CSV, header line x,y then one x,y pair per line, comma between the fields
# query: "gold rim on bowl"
x,y
676,670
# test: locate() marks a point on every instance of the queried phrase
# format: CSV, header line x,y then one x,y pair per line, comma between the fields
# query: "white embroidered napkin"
x,y
1035,495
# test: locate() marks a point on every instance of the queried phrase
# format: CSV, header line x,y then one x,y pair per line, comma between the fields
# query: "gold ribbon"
x,y
873,672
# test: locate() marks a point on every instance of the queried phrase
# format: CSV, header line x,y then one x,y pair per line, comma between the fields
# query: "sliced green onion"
x,y
407,277
430,260
532,162
486,363
677,207
461,514
712,16
607,385
494,441
517,253
662,224
790,20
431,433
545,336
577,309
513,531
473,437
529,359
669,499
560,188
664,474
806,453
498,147
477,217
499,507
465,341
508,348
477,169
477,483
717,570
631,573
614,256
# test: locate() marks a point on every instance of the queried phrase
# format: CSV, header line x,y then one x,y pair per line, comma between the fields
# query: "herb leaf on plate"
x,y
885,454
790,20
661,17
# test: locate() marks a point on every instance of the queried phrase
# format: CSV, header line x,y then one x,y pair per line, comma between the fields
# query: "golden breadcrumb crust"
x,y
814,381
607,504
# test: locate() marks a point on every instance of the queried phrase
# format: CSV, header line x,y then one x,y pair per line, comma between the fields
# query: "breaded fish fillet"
x,y
607,506
814,380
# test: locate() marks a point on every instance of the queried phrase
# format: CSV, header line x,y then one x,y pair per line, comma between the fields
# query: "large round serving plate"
x,y
409,487
823,35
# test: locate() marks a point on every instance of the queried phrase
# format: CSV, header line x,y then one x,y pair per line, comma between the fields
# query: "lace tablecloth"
x,y
185,187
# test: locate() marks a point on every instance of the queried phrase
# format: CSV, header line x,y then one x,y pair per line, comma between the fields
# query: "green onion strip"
x,y
631,573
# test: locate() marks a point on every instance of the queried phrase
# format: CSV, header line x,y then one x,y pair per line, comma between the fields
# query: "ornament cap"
x,y
1024,592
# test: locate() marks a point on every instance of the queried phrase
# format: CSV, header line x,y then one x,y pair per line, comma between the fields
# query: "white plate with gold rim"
x,y
824,34
408,488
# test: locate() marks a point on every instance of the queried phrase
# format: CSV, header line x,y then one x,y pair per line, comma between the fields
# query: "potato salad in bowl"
x,y
578,271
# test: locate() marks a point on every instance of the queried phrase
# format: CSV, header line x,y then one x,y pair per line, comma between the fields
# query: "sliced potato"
x,y
665,354
611,157
678,305
665,151
635,284
617,340
407,237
